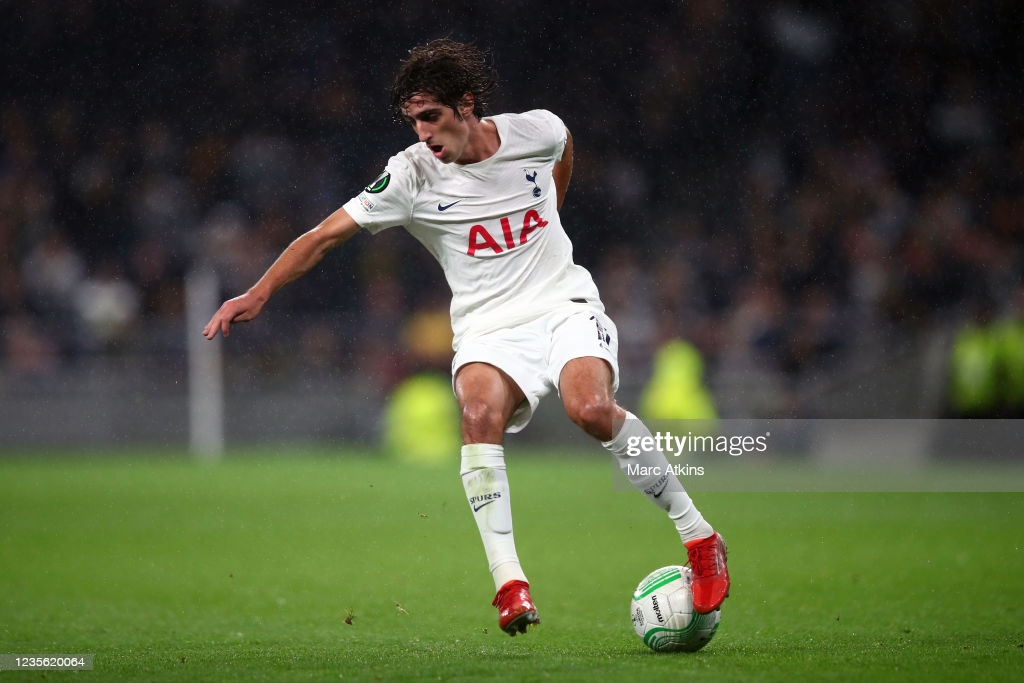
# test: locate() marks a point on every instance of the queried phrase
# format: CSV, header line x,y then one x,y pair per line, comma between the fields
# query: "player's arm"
x,y
302,254
562,171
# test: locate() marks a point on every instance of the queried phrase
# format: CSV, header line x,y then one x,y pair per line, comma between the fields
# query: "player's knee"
x,y
594,415
481,422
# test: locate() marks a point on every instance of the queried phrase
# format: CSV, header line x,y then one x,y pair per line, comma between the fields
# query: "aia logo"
x,y
481,238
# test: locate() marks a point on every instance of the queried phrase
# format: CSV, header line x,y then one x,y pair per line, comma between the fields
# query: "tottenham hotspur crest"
x,y
532,177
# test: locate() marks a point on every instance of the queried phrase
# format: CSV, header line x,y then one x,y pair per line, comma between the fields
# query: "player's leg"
x,y
649,471
585,385
587,382
487,399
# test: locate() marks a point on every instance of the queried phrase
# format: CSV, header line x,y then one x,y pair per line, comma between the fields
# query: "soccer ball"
x,y
663,616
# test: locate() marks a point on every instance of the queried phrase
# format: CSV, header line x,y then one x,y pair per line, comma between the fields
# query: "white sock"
x,y
650,473
486,485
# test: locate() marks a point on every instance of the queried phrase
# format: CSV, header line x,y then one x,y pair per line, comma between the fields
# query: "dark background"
x,y
795,189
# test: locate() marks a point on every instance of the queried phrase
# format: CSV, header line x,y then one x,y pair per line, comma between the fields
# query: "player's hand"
x,y
241,309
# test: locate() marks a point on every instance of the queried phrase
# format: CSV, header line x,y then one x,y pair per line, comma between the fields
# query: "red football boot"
x,y
516,610
710,584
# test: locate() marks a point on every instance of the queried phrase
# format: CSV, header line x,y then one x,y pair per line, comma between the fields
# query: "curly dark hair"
x,y
447,70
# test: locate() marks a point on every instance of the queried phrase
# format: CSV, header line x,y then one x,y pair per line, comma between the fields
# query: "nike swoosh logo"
x,y
445,207
476,508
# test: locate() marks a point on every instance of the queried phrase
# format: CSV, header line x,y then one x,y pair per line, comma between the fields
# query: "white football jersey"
x,y
493,225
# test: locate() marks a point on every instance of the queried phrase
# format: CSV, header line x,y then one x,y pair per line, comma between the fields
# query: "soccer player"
x,y
482,194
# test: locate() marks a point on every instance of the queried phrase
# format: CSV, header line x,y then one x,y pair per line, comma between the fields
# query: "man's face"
x,y
437,127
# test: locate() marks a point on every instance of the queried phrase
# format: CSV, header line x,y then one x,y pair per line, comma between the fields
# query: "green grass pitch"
x,y
312,565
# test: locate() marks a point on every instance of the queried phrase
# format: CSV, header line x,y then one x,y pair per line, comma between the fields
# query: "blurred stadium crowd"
x,y
784,185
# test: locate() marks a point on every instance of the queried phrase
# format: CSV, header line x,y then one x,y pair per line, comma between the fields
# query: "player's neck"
x,y
484,142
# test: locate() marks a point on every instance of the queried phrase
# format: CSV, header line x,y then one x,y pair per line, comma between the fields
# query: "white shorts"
x,y
534,353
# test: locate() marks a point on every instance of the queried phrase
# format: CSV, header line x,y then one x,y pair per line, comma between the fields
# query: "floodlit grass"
x,y
303,566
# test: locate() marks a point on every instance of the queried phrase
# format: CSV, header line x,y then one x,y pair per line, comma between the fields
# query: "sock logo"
x,y
478,502
659,486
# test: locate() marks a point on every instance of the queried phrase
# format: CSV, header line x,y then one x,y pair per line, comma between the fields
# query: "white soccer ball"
x,y
663,615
